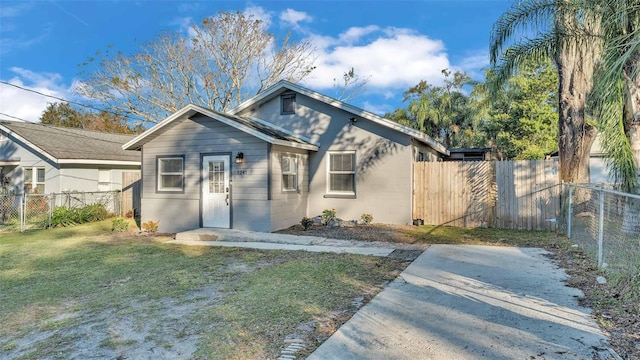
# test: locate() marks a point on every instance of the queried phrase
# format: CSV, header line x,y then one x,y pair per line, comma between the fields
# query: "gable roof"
x,y
284,85
64,145
262,130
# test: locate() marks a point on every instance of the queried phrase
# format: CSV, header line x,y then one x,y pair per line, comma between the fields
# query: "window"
x,y
171,173
34,180
289,173
342,173
287,104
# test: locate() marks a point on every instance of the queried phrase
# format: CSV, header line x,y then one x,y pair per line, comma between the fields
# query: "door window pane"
x,y
216,177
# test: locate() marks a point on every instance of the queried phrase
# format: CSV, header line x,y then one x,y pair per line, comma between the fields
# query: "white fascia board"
x,y
10,162
28,143
98,162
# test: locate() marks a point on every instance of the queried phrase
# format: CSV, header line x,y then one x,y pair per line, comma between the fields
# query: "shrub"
x,y
306,223
94,212
63,216
327,216
119,225
150,226
366,218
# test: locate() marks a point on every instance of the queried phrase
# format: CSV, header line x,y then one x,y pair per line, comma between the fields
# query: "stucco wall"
x,y
288,207
250,208
384,159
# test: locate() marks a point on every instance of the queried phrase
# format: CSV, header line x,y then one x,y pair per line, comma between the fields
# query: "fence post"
x,y
601,227
570,211
22,211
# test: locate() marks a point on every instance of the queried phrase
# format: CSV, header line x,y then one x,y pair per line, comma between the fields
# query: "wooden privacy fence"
x,y
131,192
499,194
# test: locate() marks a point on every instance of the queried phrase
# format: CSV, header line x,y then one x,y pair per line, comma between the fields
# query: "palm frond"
x,y
536,50
525,17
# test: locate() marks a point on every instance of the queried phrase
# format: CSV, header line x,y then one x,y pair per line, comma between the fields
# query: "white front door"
x,y
216,199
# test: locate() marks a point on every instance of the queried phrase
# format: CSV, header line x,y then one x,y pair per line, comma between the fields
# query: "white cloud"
x,y
293,18
258,13
393,58
474,64
26,104
378,109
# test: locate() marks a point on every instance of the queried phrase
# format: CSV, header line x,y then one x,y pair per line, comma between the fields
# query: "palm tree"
x,y
578,34
557,27
616,93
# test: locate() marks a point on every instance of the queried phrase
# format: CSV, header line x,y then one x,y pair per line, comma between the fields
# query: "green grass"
x,y
53,282
482,236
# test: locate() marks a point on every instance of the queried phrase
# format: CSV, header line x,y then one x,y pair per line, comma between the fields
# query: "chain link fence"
x,y
33,211
606,224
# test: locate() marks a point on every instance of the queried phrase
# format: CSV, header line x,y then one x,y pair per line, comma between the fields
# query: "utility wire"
x,y
11,116
68,101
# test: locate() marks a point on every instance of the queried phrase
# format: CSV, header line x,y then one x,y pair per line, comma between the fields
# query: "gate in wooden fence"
x,y
131,192
499,194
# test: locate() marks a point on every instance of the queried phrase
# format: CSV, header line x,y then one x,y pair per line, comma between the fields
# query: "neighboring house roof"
x,y
283,85
72,146
267,132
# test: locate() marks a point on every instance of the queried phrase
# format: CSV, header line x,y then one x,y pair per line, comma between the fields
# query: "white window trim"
x,y
293,171
34,178
160,174
329,172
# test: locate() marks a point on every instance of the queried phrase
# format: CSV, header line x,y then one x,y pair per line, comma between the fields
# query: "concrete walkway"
x,y
472,302
273,241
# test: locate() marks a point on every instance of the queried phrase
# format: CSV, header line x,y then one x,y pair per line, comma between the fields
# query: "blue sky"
x,y
394,43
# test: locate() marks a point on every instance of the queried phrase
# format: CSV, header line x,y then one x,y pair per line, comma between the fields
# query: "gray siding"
x,y
10,149
288,207
87,178
193,138
384,159
58,178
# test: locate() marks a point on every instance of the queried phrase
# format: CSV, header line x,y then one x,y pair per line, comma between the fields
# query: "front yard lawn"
x,y
84,292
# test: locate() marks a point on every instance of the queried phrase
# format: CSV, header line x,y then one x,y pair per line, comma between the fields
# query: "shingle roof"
x,y
73,144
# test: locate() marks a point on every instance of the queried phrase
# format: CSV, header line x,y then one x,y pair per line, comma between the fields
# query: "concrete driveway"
x,y
472,302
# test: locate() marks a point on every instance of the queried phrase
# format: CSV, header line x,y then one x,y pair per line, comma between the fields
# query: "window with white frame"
x,y
342,173
289,173
171,173
34,180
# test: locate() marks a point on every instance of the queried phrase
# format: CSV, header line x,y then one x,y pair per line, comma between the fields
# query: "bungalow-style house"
x,y
285,154
44,159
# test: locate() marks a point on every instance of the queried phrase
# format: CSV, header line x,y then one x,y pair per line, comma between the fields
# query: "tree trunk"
x,y
575,75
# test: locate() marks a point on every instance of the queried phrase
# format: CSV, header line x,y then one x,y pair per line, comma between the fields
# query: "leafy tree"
x,y
520,119
558,27
228,58
63,114
443,112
